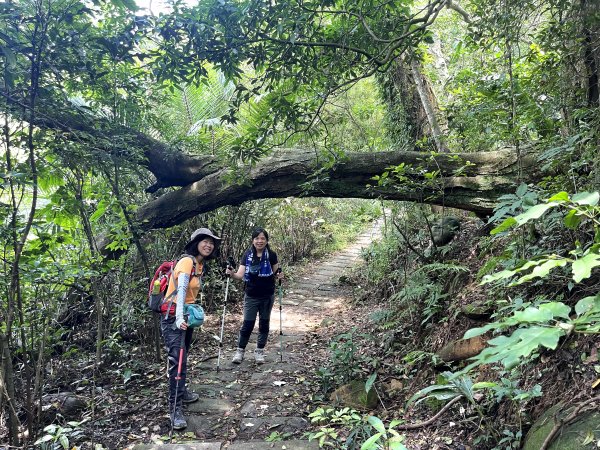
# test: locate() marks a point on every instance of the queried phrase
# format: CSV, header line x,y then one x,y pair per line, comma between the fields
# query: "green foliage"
x,y
582,209
347,429
425,177
276,436
510,440
82,79
428,289
541,326
57,437
339,428
512,204
346,363
449,386
384,438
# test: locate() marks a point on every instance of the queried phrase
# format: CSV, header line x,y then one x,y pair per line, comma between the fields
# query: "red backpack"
x,y
160,283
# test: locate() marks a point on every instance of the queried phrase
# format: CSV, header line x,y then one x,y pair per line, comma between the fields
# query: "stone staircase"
x,y
261,395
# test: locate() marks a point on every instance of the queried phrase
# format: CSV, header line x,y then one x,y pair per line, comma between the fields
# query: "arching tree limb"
x,y
287,172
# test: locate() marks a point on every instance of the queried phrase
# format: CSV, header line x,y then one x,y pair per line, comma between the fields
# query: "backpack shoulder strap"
x,y
185,255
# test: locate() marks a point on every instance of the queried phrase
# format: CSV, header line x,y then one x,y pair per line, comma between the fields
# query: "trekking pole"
x,y
230,264
177,380
280,327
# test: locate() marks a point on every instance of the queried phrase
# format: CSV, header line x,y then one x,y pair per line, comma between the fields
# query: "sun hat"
x,y
197,236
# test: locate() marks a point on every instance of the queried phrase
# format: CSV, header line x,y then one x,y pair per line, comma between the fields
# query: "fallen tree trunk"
x,y
206,185
292,173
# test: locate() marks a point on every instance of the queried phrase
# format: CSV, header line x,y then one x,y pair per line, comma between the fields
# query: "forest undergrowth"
x,y
412,306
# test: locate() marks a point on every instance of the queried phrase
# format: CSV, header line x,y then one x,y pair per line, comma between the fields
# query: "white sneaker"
x,y
259,356
239,356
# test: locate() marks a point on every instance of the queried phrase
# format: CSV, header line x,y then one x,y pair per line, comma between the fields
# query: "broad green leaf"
x,y
572,220
43,439
586,198
541,271
502,275
535,212
532,314
484,385
557,309
510,350
441,396
582,268
370,381
522,190
559,197
543,336
397,446
370,443
394,423
481,330
588,305
505,225
64,441
530,264
100,210
435,390
376,423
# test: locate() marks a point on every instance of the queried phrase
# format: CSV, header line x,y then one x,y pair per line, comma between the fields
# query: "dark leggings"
x,y
172,337
252,307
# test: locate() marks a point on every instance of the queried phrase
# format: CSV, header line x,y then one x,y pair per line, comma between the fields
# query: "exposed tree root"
x,y
414,426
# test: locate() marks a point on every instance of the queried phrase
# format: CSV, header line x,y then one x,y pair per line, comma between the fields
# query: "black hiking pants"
x,y
172,336
252,307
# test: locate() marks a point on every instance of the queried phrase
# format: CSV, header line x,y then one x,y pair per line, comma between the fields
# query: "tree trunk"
x,y
425,96
591,43
7,392
488,176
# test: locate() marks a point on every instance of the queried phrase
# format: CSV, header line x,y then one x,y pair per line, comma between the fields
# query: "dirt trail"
x,y
241,405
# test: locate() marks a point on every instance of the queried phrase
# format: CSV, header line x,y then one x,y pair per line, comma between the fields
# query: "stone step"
x,y
187,446
278,445
210,405
239,445
253,427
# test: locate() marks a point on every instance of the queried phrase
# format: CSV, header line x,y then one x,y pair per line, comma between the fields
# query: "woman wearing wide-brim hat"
x,y
187,283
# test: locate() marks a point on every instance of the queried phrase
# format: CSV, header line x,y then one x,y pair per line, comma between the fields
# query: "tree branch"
x,y
459,9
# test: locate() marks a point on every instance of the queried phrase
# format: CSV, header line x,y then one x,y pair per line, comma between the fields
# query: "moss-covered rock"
x,y
571,437
477,311
355,396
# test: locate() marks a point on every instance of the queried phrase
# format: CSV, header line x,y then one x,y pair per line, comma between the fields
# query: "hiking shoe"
x,y
190,396
178,420
239,356
259,356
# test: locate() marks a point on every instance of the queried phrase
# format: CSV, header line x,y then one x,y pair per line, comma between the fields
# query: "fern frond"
x,y
442,267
